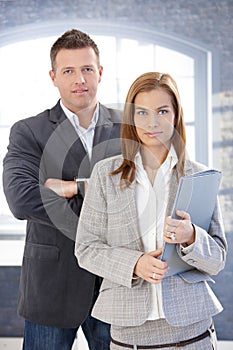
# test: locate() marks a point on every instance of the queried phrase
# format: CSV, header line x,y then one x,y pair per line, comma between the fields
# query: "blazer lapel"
x,y
126,199
174,186
172,192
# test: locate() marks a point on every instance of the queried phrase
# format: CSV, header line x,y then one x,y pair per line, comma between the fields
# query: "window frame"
x,y
202,68
202,64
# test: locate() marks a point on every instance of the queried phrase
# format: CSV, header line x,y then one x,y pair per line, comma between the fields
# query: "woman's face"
x,y
154,118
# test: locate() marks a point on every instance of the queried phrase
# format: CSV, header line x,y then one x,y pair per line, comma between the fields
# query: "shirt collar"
x,y
70,115
171,159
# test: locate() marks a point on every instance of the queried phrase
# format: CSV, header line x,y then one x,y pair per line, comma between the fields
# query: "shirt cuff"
x,y
188,249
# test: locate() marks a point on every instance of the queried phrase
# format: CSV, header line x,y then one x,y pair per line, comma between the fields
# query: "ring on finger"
x,y
173,236
169,234
154,276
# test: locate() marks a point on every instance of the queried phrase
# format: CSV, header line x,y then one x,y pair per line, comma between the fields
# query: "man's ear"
x,y
52,76
100,73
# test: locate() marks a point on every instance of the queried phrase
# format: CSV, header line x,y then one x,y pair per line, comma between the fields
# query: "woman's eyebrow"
x,y
164,106
140,107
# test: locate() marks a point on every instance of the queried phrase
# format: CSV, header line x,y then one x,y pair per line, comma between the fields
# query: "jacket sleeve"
x,y
208,253
27,198
114,263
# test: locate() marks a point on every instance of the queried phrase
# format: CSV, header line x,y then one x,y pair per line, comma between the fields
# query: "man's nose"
x,y
79,78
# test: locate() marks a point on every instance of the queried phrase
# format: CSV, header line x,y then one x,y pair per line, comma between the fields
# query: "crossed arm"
x,y
51,202
67,189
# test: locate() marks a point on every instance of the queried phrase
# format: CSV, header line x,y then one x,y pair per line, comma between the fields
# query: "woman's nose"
x,y
153,119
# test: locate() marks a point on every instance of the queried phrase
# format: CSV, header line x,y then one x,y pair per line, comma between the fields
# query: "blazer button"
x,y
192,261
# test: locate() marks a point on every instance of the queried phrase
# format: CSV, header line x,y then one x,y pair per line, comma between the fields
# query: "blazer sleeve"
x,y
210,248
114,263
27,198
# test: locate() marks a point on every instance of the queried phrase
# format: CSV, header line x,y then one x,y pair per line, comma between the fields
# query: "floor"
x,y
16,343
80,344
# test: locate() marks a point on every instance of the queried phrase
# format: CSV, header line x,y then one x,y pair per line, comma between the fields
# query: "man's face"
x,y
77,76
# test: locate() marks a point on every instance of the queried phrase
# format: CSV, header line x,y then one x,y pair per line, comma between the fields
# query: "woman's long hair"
x,y
130,141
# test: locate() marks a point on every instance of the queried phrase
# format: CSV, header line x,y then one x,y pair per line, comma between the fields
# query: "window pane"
x,y
25,85
186,89
174,62
4,132
108,88
190,136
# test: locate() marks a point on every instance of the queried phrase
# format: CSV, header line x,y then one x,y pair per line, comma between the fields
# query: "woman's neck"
x,y
153,158
152,161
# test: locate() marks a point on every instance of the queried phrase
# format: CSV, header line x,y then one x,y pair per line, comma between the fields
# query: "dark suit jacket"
x,y
54,290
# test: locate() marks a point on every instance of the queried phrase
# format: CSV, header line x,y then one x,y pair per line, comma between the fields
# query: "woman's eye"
x,y
162,112
142,113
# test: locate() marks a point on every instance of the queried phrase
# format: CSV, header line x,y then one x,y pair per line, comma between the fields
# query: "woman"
x,y
125,219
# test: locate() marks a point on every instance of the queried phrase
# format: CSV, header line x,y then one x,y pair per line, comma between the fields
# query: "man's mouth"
x,y
79,91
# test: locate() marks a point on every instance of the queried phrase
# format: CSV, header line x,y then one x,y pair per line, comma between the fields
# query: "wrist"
x,y
192,239
75,187
80,187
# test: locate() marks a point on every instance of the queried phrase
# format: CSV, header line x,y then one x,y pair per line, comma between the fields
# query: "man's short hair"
x,y
72,39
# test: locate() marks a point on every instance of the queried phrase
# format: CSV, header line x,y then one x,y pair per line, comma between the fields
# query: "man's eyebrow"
x,y
67,67
73,67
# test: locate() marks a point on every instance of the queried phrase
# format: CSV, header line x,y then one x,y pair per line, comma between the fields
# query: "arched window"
x,y
125,52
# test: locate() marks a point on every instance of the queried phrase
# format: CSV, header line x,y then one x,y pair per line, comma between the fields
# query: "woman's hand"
x,y
150,267
179,231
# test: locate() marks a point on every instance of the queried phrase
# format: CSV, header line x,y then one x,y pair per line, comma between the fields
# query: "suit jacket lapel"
x,y
70,140
64,129
102,135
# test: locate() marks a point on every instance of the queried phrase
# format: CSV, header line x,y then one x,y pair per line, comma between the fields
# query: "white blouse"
x,y
151,203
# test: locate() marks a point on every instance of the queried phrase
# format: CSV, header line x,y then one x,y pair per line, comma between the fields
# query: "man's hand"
x,y
67,189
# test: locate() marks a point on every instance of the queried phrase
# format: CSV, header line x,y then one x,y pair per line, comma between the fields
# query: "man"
x,y
47,155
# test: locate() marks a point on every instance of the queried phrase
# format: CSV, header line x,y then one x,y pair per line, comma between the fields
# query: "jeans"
x,y
39,337
97,333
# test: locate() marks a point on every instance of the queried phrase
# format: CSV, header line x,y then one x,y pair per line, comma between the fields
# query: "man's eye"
x,y
67,71
88,69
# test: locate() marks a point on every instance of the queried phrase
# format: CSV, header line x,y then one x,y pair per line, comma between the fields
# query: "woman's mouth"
x,y
153,134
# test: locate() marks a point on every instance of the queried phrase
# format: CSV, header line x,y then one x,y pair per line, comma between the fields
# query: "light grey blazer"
x,y
109,244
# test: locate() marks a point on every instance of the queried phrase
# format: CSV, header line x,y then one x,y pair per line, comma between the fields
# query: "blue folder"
x,y
197,195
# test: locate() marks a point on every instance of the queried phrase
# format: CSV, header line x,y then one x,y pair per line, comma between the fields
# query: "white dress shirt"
x,y
86,135
151,202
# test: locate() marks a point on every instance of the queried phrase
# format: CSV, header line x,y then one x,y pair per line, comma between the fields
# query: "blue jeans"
x,y
38,337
